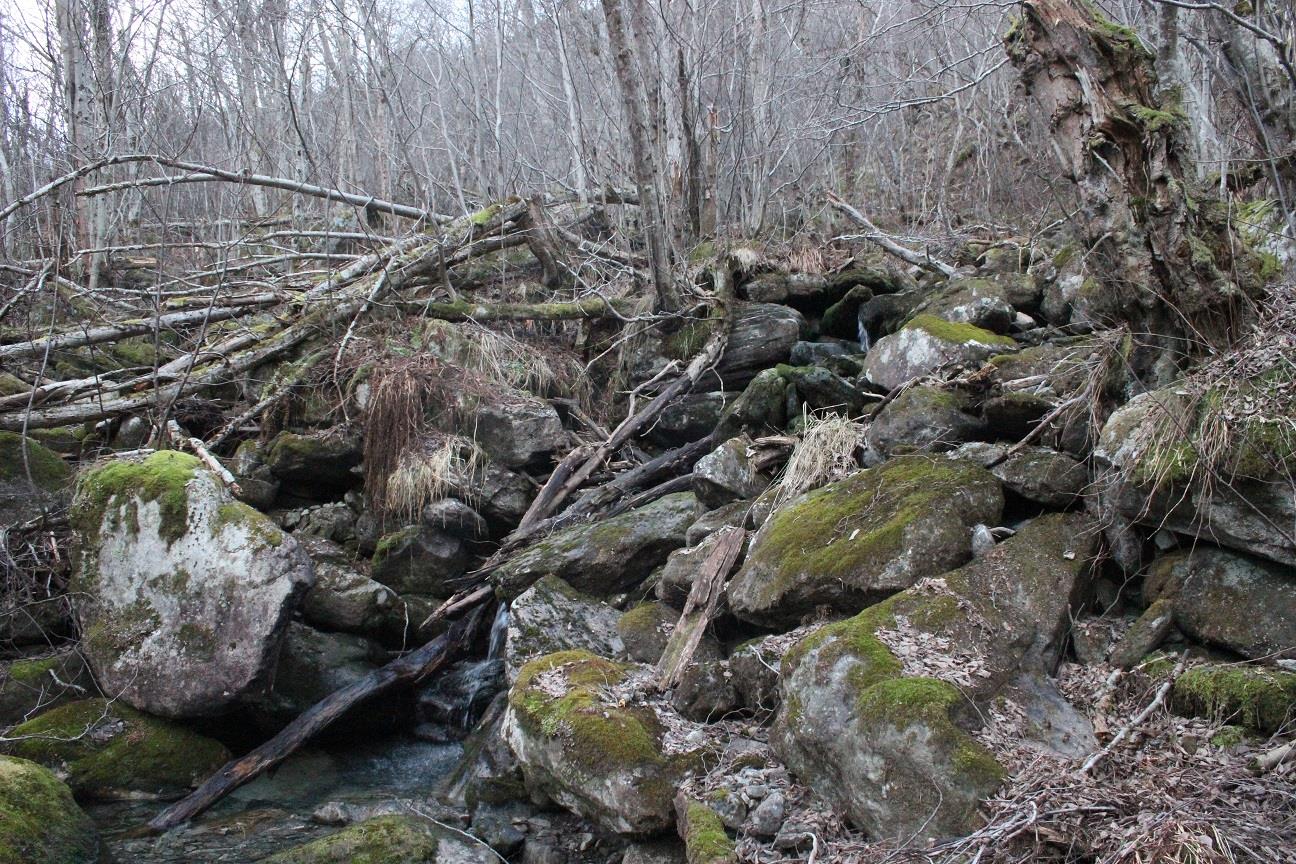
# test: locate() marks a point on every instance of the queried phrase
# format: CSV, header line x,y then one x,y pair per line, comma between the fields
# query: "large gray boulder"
x,y
30,685
854,542
316,465
727,474
406,839
922,419
927,344
1224,598
419,559
1038,474
877,710
342,597
552,616
604,758
516,430
312,665
182,592
606,557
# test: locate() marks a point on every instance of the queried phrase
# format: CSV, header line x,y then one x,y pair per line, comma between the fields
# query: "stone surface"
x,y
30,685
606,557
726,474
552,616
343,598
732,514
927,344
317,465
1262,699
389,840
887,739
705,692
420,560
454,517
761,409
39,821
755,667
1223,598
761,335
921,419
106,750
689,418
856,541
597,758
675,580
20,501
1037,474
1144,635
816,353
312,665
516,431
182,593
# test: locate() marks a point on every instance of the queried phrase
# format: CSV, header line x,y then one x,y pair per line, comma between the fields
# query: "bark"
x,y
1164,254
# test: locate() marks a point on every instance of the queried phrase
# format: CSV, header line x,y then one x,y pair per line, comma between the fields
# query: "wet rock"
x,y
312,665
456,699
517,431
497,825
887,739
343,598
922,419
690,418
30,685
39,821
403,626
1223,598
552,616
580,746
315,466
856,541
420,560
727,474
404,839
20,500
883,315
106,750
182,593
606,557
454,517
488,773
927,344
705,692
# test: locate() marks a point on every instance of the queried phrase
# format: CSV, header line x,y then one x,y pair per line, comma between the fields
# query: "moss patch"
x,y
956,332
705,840
383,840
106,749
48,471
115,490
256,523
39,821
1260,699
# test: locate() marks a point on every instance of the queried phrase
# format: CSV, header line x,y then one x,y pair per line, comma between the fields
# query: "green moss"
x,y
484,215
688,341
702,252
1121,39
256,523
39,821
106,749
1156,119
31,671
956,332
12,385
1260,699
1230,736
163,477
705,840
48,471
382,840
389,543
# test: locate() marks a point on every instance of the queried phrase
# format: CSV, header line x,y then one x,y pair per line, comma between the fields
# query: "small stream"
x,y
274,812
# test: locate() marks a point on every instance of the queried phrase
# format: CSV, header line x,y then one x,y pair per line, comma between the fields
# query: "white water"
x,y
499,631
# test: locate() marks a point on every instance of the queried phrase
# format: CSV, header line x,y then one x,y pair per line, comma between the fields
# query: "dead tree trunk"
x,y
1162,254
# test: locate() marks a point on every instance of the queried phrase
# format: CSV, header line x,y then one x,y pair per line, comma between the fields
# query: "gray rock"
x,y
182,593
552,616
1233,601
921,419
705,692
760,410
655,852
690,418
603,558
500,495
21,501
856,541
732,514
420,560
645,630
767,818
755,668
333,521
404,838
342,597
488,773
928,344
258,485
455,518
887,741
32,684
1144,635
762,335
312,665
516,430
1037,474
317,465
726,474
675,580
815,353
822,389
1051,723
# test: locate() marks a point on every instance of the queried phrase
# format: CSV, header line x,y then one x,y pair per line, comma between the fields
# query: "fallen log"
x,y
875,235
411,667
703,600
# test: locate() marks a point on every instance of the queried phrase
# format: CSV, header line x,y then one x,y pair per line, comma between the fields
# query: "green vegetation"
x,y
39,821
1260,699
162,477
48,471
382,840
955,332
705,840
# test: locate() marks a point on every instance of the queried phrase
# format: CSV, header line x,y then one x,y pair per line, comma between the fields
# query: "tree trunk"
x,y
1165,256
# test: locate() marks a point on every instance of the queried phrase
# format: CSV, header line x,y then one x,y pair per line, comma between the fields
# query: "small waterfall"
x,y
863,337
498,633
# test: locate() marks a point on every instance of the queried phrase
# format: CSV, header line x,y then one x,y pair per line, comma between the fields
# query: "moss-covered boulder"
x,y
703,833
1185,459
606,557
689,418
32,477
886,735
106,750
856,541
182,593
927,344
922,419
1038,474
552,616
343,598
419,559
1224,598
985,302
29,685
1257,698
759,410
598,755
647,627
389,840
315,466
39,821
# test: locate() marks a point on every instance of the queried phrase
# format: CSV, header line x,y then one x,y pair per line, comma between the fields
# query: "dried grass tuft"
x,y
825,453
444,465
